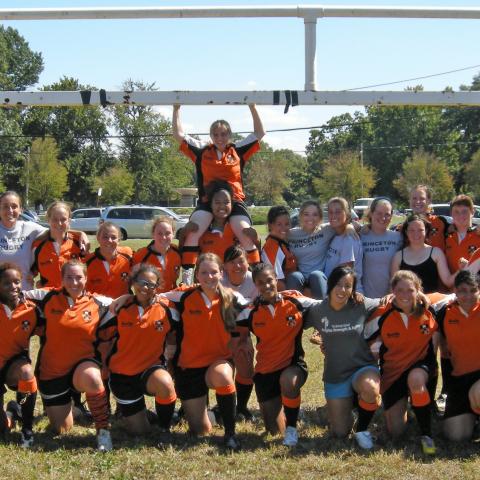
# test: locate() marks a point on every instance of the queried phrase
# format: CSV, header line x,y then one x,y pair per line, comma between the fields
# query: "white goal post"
x,y
309,96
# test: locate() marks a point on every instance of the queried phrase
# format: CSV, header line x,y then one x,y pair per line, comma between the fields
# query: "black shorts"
x,y
190,382
3,372
267,385
399,388
238,209
458,402
129,390
58,391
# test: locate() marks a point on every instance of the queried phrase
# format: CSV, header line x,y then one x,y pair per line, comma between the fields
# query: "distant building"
x,y
188,196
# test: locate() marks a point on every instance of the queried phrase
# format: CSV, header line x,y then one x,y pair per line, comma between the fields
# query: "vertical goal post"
x,y
309,96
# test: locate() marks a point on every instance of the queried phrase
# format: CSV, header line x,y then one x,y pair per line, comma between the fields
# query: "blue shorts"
x,y
345,389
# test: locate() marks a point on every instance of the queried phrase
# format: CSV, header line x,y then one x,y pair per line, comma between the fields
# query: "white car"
x,y
86,219
135,221
361,205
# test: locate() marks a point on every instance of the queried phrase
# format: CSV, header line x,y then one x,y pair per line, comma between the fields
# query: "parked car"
x,y
361,205
28,218
86,219
135,221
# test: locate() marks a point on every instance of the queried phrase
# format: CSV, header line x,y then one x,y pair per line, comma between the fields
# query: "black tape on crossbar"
x,y
288,101
86,95
276,97
103,98
294,98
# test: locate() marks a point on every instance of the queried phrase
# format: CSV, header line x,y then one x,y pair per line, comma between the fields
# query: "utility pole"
x,y
361,165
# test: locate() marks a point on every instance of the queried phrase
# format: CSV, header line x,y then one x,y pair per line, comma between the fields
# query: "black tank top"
x,y
426,271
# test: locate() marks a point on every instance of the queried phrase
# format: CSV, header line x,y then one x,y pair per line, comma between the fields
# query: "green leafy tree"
x,y
472,176
117,185
82,138
346,177
146,148
20,68
425,168
45,175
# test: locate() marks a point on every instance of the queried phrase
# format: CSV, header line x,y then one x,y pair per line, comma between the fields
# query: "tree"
x,y
344,176
472,176
45,175
82,138
117,185
20,67
425,168
146,148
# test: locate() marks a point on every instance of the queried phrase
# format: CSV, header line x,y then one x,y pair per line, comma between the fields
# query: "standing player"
x,y
161,253
18,319
109,265
276,320
276,251
401,334
219,160
137,363
59,246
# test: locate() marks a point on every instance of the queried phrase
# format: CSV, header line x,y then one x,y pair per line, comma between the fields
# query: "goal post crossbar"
x,y
285,98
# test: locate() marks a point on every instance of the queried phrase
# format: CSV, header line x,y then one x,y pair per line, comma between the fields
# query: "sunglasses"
x,y
147,284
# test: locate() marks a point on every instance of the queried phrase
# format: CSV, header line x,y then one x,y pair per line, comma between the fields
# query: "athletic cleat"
x,y
291,437
104,440
231,443
364,439
80,411
187,276
440,404
428,445
26,439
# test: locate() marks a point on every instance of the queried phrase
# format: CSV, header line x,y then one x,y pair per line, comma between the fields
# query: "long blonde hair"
x,y
227,299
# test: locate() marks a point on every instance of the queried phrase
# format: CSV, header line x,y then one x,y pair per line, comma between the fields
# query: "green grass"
x,y
318,455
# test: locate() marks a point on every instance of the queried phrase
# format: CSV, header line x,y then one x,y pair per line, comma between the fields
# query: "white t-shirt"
x,y
247,289
16,246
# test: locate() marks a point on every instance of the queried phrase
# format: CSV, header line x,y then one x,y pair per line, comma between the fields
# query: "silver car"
x,y
86,219
135,221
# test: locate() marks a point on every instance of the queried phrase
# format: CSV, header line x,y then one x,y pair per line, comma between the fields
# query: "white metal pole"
x,y
310,53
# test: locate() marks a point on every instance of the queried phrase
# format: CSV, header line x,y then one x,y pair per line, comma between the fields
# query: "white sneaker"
x,y
187,276
364,439
26,440
291,437
104,440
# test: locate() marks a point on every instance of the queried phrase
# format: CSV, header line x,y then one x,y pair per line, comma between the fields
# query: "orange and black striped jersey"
x,y
402,340
215,241
109,278
211,164
70,329
278,329
49,257
461,331
201,334
455,248
16,327
475,256
169,264
276,253
138,336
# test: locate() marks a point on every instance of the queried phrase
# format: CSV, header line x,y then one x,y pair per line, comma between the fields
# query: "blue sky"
x,y
249,54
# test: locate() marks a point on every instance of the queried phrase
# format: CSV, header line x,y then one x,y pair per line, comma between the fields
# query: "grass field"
x,y
178,456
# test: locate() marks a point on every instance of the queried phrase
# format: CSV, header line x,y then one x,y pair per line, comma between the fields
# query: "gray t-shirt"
x,y
378,251
346,350
310,248
247,289
345,249
16,246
